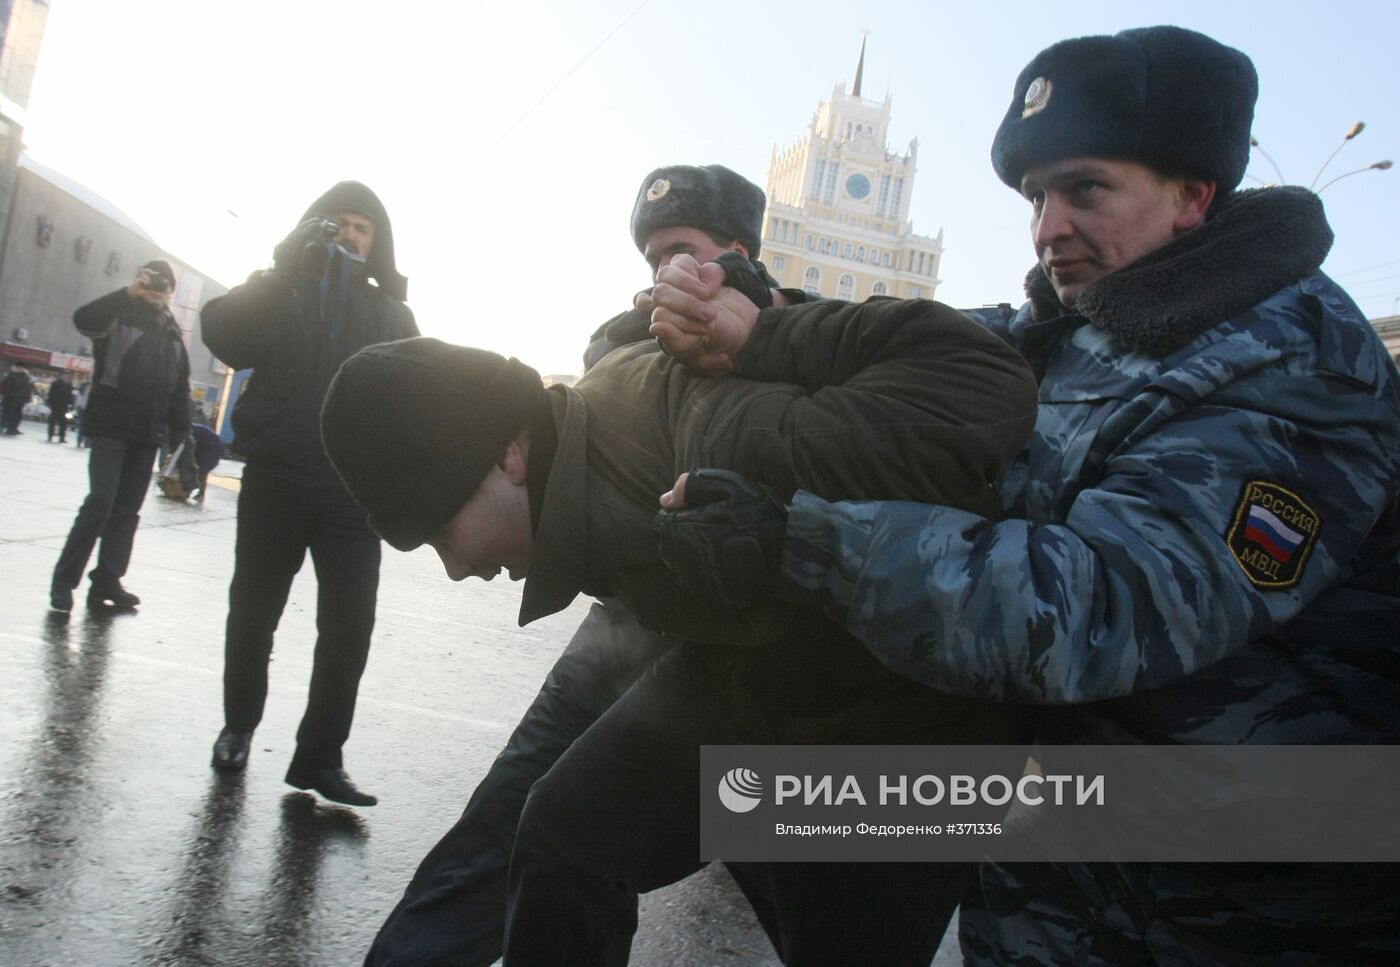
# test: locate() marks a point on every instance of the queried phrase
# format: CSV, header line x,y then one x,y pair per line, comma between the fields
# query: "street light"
x,y
1356,129
1385,165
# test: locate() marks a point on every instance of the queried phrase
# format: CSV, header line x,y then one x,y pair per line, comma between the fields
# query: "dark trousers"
x,y
454,910
278,522
59,422
608,757
618,813
118,475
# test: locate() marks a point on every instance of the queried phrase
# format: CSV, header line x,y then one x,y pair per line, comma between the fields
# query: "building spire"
x,y
860,64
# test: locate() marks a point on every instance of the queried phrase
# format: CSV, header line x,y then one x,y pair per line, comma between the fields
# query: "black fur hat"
x,y
1172,99
414,426
712,199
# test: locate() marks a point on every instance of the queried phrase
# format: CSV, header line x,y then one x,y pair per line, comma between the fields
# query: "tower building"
x,y
837,222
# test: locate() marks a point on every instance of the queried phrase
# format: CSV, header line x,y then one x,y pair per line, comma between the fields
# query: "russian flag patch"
x,y
1272,535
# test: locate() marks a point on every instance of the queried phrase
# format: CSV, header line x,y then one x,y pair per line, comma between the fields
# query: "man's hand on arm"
x,y
722,536
698,319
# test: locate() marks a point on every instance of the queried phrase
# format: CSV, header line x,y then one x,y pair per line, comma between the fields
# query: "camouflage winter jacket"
x,y
1202,538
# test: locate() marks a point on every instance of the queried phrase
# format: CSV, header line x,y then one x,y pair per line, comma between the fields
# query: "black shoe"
x,y
231,750
61,599
333,784
115,596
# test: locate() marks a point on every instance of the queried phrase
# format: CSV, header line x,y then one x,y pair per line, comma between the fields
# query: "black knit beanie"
x,y
1172,99
712,199
414,426
160,267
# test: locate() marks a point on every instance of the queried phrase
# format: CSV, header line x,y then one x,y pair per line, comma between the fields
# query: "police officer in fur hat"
x,y
707,212
1201,543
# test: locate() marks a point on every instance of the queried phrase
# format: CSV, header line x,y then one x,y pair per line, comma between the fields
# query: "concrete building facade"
x,y
837,222
22,25
1388,328
64,246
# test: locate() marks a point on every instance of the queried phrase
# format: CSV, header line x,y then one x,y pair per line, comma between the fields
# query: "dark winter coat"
x,y
907,399
60,396
18,387
141,375
294,331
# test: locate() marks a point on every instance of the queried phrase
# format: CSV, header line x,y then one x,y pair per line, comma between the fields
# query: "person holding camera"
x,y
140,389
333,289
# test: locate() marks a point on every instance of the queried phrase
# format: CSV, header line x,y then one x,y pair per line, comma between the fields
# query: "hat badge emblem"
x,y
658,189
1037,96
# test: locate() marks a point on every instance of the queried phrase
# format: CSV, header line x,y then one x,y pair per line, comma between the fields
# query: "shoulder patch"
x,y
1273,533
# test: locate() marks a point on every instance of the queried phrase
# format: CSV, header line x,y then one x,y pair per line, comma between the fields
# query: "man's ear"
x,y
1195,198
515,462
741,248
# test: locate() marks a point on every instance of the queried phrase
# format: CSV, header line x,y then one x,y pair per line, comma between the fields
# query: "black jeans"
x,y
118,475
278,522
454,910
59,422
608,757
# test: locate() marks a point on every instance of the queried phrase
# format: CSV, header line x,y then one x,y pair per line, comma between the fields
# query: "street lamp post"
x,y
1355,129
1385,165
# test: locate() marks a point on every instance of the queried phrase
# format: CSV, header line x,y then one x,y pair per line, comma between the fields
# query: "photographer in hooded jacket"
x,y
140,390
333,290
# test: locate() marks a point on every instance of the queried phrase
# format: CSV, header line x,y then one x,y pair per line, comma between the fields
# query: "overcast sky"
x,y
508,140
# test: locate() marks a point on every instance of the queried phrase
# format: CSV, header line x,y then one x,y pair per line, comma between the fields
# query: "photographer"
x,y
333,290
140,388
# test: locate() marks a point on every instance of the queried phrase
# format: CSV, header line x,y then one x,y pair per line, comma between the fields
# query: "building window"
x,y
778,263
846,252
821,246
885,261
813,280
915,292
809,243
898,192
817,179
860,254
846,288
878,289
831,174
884,194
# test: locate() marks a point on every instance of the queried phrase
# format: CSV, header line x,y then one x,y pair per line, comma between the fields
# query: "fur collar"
x,y
1254,243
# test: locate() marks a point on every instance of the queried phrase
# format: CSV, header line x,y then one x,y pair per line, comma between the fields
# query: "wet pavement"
x,y
119,845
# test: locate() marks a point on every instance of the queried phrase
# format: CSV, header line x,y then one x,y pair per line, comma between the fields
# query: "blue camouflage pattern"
x,y
1110,575
1109,597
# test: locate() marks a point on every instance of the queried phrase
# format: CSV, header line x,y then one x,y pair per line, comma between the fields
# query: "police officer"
x,y
1201,543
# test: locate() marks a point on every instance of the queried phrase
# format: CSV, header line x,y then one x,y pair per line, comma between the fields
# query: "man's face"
x,y
1093,216
356,233
490,532
665,244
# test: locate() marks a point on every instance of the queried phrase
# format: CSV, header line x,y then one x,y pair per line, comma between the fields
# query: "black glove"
x,y
727,545
741,276
290,253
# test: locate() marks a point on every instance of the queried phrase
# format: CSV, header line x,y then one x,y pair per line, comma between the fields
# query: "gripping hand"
x,y
741,276
726,545
288,255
